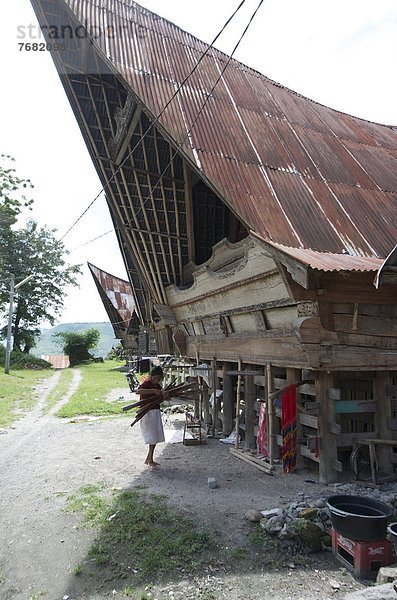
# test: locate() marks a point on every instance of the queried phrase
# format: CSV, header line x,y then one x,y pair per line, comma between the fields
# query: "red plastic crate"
x,y
363,559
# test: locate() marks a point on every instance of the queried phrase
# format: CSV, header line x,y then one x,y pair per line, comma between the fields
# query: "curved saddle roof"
x,y
296,172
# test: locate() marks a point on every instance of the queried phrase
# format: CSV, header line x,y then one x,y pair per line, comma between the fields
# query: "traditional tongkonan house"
x,y
252,222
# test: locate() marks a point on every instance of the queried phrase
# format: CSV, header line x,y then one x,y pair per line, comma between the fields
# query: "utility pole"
x,y
13,287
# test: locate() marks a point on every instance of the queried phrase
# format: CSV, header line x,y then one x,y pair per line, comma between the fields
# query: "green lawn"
x,y
17,395
90,398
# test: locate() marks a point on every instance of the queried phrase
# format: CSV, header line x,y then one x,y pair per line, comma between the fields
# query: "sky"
x,y
340,53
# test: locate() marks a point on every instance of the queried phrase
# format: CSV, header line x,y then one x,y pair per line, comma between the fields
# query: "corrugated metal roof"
x,y
328,261
296,172
58,361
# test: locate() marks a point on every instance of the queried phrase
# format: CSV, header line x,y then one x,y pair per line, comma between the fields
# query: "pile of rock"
x,y
307,522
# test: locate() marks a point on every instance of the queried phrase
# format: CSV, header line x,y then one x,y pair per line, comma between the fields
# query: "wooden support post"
x,y
328,449
294,376
215,407
381,418
270,413
238,405
249,399
206,403
228,399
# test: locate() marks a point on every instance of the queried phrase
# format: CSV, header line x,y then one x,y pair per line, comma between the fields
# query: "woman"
x,y
151,423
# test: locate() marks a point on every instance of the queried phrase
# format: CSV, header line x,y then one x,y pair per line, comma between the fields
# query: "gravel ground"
x,y
43,459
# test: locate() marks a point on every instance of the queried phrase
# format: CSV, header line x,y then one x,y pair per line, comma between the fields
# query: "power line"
x,y
156,119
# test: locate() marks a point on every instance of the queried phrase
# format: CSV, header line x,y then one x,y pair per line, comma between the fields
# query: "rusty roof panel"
x,y
373,212
300,206
378,162
342,160
333,161
351,236
328,261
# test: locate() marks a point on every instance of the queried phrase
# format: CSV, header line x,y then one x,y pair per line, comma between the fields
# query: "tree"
x,y
77,344
12,202
31,250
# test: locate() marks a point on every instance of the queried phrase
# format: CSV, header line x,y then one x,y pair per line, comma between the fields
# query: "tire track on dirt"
x,y
32,424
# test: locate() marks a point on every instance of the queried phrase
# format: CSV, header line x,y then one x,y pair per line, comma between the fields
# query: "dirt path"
x,y
45,458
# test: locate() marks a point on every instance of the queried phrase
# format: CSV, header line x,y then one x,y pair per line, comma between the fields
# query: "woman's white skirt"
x,y
152,427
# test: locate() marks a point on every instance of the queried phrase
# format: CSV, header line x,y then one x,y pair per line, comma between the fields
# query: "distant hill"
x,y
48,345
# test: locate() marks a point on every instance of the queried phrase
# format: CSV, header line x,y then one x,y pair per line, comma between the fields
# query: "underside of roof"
x,y
233,151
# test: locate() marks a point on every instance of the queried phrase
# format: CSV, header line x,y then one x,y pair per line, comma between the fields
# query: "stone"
x,y
254,516
308,513
212,484
319,504
288,532
273,512
274,525
309,534
378,592
386,575
334,584
263,522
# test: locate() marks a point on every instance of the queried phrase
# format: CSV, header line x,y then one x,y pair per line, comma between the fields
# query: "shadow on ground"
x,y
171,536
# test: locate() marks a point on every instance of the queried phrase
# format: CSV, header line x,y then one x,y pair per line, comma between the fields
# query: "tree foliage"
x,y
29,250
77,344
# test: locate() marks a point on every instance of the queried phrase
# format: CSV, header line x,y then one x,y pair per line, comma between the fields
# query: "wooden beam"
x,y
228,399
214,386
177,217
189,212
328,448
308,420
238,406
355,406
165,208
154,209
249,399
253,461
382,419
271,417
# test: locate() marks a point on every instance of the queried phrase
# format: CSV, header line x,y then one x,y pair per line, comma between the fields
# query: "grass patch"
x,y
154,538
98,379
17,394
88,501
60,389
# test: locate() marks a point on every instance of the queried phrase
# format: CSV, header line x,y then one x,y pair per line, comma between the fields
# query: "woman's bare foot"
x,y
151,463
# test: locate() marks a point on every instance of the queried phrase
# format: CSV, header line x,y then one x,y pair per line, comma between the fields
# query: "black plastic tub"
x,y
358,518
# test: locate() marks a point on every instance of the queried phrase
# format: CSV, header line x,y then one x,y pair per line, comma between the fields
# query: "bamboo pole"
x,y
238,405
172,166
165,208
154,209
270,411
